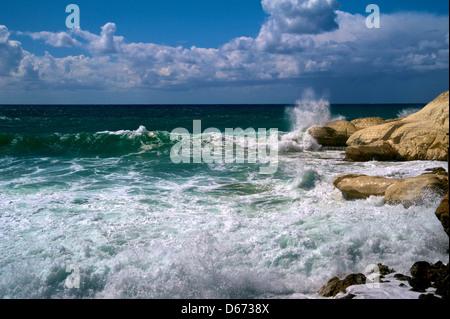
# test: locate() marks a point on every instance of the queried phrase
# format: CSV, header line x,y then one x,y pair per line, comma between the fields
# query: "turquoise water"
x,y
94,187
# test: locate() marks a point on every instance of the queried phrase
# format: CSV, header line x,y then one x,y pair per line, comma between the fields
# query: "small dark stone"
x,y
349,296
402,285
401,277
385,270
436,170
428,297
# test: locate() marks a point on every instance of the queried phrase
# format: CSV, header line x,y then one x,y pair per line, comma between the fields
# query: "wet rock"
x,y
426,275
395,191
335,286
415,190
442,213
419,284
349,296
423,276
355,186
442,283
402,277
333,134
327,136
428,297
408,191
331,289
385,270
378,150
436,170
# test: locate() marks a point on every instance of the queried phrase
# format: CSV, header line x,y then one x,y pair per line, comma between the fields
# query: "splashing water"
x,y
309,111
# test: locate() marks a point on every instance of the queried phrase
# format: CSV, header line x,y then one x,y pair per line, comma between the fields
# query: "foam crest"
x,y
142,130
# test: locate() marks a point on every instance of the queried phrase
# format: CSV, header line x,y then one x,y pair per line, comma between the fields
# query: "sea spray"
x,y
310,110
306,179
408,111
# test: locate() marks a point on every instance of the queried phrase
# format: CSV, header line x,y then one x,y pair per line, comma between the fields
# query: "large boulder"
x,y
425,275
335,133
415,190
407,191
379,151
342,127
419,136
355,186
327,136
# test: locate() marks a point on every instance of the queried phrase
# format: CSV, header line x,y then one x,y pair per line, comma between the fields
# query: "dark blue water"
x,y
26,119
64,130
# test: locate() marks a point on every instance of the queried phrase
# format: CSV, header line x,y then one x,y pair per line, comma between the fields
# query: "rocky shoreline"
x,y
419,136
429,281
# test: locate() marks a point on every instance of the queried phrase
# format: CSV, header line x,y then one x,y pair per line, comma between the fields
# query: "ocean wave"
x,y
132,142
5,118
102,144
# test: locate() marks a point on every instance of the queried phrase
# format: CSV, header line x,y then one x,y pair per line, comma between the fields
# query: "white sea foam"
x,y
213,234
206,231
390,288
142,130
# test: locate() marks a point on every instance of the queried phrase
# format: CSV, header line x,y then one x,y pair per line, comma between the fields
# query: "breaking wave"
x,y
102,144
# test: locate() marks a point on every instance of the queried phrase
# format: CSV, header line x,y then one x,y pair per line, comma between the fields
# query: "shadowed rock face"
x,y
379,151
419,136
327,136
425,275
335,133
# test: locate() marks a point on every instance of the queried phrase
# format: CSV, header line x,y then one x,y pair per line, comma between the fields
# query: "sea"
x,y
93,206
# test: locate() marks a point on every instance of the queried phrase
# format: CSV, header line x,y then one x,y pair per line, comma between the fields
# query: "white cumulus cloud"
x,y
300,39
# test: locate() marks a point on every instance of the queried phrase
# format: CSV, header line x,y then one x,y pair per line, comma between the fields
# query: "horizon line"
x,y
193,104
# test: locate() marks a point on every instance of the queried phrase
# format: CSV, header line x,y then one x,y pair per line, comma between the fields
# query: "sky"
x,y
222,51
